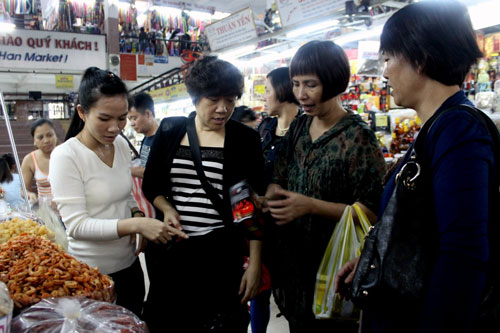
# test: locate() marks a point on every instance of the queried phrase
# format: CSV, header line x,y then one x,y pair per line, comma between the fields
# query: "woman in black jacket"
x,y
200,282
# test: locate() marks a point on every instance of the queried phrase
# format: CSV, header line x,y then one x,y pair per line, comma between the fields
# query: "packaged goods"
x,y
243,208
6,306
77,314
34,268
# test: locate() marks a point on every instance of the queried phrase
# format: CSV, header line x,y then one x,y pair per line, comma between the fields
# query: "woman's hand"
x,y
157,231
250,282
171,218
344,277
290,207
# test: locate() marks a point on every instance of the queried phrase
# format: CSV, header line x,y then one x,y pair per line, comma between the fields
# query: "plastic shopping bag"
x,y
345,244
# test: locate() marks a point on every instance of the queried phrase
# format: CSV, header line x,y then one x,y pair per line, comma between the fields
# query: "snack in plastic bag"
x,y
51,219
34,268
345,244
77,315
6,307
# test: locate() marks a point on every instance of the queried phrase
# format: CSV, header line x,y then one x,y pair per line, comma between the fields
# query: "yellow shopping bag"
x,y
345,244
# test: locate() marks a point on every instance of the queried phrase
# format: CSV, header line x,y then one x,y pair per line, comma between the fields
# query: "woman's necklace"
x,y
282,131
99,151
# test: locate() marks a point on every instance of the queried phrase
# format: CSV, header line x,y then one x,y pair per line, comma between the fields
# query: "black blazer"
x,y
243,159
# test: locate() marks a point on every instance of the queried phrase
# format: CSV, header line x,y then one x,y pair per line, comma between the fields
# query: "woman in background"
x,y
36,164
11,182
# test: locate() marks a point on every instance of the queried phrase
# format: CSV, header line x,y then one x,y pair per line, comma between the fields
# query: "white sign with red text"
x,y
296,11
234,29
51,50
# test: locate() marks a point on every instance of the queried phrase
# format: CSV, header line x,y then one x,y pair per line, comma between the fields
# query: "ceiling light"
x,y
6,24
238,52
358,35
312,28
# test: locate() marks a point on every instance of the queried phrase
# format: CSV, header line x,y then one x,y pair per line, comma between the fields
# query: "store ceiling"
x,y
232,6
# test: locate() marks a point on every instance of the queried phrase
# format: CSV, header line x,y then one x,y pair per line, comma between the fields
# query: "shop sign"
x,y
150,59
161,59
169,94
296,11
128,67
234,29
64,81
185,6
35,50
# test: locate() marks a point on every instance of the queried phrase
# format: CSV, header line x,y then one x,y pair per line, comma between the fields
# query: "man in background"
x,y
142,119
141,116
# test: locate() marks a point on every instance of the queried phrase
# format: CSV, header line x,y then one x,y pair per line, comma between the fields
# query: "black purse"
x,y
397,253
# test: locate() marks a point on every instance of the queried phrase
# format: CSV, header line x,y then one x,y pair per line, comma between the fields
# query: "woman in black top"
x,y
282,108
199,282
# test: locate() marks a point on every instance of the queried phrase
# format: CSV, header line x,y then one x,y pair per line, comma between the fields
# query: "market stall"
x,y
42,287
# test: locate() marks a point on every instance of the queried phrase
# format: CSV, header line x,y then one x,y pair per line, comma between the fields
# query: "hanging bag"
x,y
345,244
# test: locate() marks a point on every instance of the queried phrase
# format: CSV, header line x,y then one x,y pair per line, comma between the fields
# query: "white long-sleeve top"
x,y
91,198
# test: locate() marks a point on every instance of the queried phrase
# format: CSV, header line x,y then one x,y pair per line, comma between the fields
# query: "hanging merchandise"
x,y
75,16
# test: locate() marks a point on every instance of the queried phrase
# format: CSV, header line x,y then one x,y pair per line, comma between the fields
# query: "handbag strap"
x,y
130,145
194,146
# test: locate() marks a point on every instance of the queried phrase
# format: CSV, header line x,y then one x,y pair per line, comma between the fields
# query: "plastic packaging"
x,y
6,306
345,244
244,210
77,315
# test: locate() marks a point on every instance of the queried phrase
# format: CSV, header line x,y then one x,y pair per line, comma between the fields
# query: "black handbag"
x,y
401,248
398,250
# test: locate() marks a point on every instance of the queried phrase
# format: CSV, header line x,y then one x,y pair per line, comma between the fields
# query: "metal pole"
x,y
14,150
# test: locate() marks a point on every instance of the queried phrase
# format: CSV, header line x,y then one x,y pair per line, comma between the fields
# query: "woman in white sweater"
x,y
91,184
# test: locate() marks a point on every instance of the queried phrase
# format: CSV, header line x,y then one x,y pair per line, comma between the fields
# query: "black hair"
x,y
6,163
327,61
213,77
280,80
95,84
39,122
243,114
435,37
142,102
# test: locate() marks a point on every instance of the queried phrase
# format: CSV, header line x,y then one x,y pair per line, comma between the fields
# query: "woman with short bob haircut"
x,y
336,161
445,210
199,282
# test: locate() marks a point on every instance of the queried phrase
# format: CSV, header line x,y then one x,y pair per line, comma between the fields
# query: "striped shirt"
x,y
197,213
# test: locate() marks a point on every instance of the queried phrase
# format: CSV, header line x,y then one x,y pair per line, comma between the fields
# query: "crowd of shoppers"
x,y
305,163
